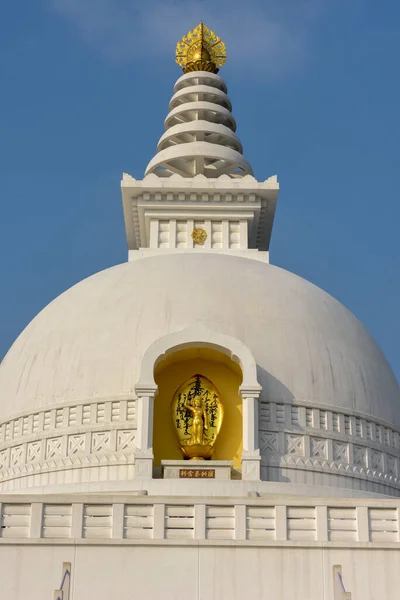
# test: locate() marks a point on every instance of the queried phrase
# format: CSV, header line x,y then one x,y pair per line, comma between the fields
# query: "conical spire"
x,y
200,136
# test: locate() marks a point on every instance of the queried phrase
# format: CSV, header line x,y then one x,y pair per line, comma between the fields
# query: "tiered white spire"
x,y
199,193
199,136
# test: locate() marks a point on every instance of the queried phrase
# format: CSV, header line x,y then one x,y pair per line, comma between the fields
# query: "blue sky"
x,y
316,94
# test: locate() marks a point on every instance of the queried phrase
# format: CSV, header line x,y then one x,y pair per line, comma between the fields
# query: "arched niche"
x,y
227,353
170,373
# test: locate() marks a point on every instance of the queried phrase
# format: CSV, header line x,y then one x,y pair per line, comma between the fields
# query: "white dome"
x,y
330,404
88,342
309,349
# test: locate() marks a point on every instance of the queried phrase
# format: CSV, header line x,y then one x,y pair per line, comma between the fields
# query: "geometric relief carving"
x,y
359,456
318,447
391,465
294,444
376,459
76,444
4,459
33,452
82,444
340,451
34,423
126,440
53,447
16,457
100,441
268,442
250,470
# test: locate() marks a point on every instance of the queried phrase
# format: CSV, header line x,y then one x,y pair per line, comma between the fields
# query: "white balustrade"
x,y
254,521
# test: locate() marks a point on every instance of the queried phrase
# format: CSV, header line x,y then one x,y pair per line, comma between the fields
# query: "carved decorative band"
x,y
89,414
69,437
336,425
68,451
304,437
295,450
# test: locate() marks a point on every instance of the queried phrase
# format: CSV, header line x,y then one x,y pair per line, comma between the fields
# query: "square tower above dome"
x,y
177,214
199,192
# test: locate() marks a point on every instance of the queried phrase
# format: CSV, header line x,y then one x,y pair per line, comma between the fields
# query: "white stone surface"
x,y
119,480
177,548
309,348
148,252
199,336
160,214
321,407
329,407
200,132
199,573
265,521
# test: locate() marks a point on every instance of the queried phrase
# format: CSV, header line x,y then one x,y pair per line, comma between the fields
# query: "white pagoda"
x,y
197,424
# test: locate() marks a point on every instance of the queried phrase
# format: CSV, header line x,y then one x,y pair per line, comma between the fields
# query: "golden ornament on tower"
x,y
201,50
199,236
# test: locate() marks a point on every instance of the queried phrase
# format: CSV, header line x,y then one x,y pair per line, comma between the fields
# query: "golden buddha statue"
x,y
197,412
199,425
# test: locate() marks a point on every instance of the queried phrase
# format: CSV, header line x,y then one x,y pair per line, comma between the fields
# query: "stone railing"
x,y
144,520
302,437
69,437
102,433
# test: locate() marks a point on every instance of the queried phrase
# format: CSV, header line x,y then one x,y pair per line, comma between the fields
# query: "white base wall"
x,y
193,548
197,573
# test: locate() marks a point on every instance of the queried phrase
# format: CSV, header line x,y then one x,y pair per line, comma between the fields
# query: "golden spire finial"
x,y
201,50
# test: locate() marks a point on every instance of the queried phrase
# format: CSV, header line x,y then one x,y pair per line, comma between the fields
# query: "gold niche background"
x,y
174,371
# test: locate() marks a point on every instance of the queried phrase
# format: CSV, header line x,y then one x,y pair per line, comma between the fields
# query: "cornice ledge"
x,y
248,182
145,389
